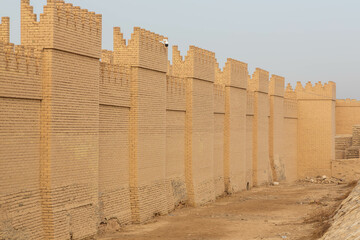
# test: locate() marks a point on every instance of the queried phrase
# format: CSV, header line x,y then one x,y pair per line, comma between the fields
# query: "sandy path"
x,y
275,212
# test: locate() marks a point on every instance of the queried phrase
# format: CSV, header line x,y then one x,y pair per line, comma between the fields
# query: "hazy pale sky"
x,y
302,40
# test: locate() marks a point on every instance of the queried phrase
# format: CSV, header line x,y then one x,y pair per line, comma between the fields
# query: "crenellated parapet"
x,y
290,92
276,86
20,70
145,49
20,59
62,26
317,91
107,56
236,73
259,82
5,30
290,103
114,84
198,63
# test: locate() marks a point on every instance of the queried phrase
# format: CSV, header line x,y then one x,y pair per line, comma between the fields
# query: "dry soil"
x,y
288,211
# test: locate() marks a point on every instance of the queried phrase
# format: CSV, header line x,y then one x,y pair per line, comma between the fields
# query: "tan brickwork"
x,y
316,132
347,115
276,127
249,138
290,134
259,84
5,30
235,74
90,135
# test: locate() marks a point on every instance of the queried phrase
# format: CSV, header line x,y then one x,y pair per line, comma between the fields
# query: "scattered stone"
x,y
323,180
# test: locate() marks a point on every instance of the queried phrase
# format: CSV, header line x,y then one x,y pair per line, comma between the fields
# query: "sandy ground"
x,y
288,211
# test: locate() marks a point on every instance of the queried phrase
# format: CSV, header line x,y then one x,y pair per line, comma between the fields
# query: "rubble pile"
x,y
323,180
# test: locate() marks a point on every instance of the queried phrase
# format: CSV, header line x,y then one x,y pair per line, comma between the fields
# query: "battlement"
x,y
318,91
235,73
59,21
277,86
290,92
114,84
198,63
347,102
259,82
107,56
144,49
20,58
5,30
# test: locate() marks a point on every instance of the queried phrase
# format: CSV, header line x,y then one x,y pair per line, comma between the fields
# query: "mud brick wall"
x,y
114,124
20,109
276,127
90,135
249,138
259,84
316,132
347,115
290,134
235,80
219,124
175,139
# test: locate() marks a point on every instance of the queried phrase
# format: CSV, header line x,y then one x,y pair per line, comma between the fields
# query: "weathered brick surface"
x,y
259,85
276,127
316,132
88,135
290,134
347,115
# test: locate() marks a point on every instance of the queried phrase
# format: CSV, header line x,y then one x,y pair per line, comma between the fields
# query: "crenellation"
x,y
132,135
276,86
198,63
114,84
5,30
20,58
107,56
290,92
317,91
259,82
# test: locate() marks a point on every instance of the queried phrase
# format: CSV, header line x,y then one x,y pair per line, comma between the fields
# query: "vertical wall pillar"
x,y
69,116
276,127
236,74
259,84
147,57
316,128
199,125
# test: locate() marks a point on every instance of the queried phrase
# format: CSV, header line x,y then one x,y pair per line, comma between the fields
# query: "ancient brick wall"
x,y
347,115
259,85
20,107
290,137
90,135
276,127
316,132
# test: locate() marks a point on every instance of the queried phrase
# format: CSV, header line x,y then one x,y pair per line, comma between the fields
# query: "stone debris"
x,y
323,180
